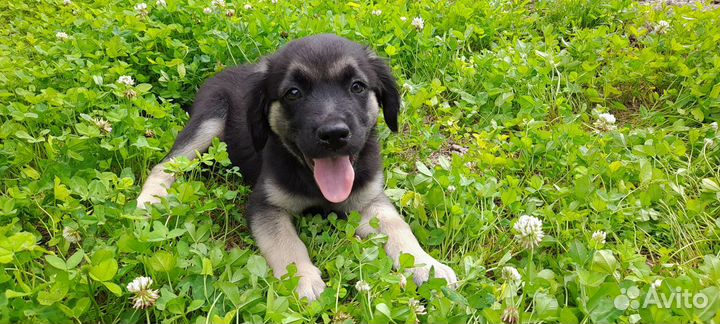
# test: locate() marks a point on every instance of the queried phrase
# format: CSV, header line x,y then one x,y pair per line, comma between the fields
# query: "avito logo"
x,y
679,298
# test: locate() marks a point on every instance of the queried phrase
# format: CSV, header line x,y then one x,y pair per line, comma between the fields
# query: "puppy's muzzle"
x,y
334,136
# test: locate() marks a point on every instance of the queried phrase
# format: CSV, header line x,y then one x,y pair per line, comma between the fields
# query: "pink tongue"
x,y
335,177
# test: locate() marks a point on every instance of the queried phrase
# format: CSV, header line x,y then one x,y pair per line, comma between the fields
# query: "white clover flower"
x,y
130,94
161,3
67,2
417,307
207,11
141,8
342,317
608,118
62,35
418,23
403,280
407,87
144,296
362,286
230,12
656,284
511,315
274,1
403,18
599,237
530,232
248,6
714,126
218,3
451,188
126,80
662,27
71,235
103,124
605,123
139,284
377,12
709,142
511,274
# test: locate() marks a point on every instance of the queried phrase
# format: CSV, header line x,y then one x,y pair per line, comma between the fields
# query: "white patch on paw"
x,y
148,198
311,284
401,240
155,187
421,273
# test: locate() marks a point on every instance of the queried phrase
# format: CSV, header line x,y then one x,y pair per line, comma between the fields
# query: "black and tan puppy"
x,y
300,124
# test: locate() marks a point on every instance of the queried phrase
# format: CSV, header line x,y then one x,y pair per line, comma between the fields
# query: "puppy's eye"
x,y
357,87
293,94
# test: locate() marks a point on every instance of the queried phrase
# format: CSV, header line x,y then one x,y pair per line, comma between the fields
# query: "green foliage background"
x,y
500,102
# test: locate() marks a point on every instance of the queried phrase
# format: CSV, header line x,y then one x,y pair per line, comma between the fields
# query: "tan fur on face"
x,y
296,66
373,108
279,125
337,68
278,121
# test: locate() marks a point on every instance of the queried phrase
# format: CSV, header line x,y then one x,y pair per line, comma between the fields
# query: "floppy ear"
x,y
257,112
389,96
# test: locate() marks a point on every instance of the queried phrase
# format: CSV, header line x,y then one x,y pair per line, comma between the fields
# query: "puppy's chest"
x,y
319,210
299,202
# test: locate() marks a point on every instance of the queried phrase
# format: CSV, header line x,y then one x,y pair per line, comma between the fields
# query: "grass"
x,y
500,119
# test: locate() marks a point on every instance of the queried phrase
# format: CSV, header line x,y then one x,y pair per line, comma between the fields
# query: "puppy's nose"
x,y
334,135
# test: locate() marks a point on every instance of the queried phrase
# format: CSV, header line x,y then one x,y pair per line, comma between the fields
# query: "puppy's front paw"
x,y
311,284
155,187
146,199
150,195
422,273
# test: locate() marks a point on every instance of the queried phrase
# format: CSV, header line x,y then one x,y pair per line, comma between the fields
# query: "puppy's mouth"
x,y
334,176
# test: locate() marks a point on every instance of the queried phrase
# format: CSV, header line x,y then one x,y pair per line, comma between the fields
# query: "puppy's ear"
x,y
257,112
388,94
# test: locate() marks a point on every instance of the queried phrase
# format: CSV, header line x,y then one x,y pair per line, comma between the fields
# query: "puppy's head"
x,y
321,96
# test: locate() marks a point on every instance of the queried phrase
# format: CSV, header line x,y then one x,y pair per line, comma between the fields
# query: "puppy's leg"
x,y
195,137
401,240
278,241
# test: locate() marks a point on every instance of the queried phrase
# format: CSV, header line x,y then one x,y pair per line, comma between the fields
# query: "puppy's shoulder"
x,y
231,84
233,75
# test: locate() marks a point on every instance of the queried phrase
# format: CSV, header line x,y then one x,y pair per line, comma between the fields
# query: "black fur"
x,y
388,92
316,101
243,96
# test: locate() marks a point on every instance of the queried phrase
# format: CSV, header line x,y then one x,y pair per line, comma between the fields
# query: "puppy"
x,y
300,124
